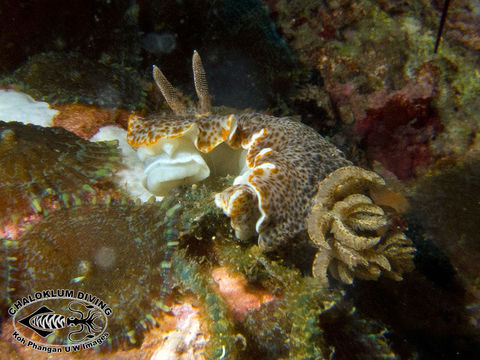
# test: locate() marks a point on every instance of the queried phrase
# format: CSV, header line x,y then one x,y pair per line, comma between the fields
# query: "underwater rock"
x,y
16,106
447,203
353,233
434,324
239,40
80,80
266,329
281,162
92,28
364,49
189,338
116,250
240,296
350,332
288,326
463,23
3,281
49,165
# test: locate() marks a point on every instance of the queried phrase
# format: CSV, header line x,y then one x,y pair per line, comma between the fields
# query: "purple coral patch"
x,y
398,134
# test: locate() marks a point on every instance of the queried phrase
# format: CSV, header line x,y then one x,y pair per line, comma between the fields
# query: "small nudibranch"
x,y
279,161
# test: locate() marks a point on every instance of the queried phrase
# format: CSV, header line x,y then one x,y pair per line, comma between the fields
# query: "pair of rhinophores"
x,y
286,173
289,178
84,237
278,161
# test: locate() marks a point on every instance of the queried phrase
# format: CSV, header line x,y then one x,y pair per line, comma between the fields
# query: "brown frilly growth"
x,y
116,250
354,235
49,163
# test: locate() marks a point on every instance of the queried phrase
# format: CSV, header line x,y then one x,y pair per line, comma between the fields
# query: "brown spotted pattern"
x,y
240,200
147,131
212,130
286,159
285,177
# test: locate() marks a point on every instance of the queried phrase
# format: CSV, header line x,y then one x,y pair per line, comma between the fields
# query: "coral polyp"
x,y
39,163
116,250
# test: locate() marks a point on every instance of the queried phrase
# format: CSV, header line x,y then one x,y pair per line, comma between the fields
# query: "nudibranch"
x,y
279,161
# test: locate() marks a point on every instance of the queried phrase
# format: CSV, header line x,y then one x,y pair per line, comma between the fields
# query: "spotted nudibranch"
x,y
279,161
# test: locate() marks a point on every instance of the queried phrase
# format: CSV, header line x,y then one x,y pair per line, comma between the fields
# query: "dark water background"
x,y
363,74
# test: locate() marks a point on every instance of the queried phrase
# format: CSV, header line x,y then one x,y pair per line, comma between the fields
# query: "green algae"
x,y
292,318
191,276
289,325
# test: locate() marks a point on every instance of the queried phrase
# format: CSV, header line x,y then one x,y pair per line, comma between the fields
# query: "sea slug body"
x,y
279,161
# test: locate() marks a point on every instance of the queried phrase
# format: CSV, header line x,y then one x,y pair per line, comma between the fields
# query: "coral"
x,y
49,164
116,250
398,128
177,328
81,80
352,232
284,160
86,120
